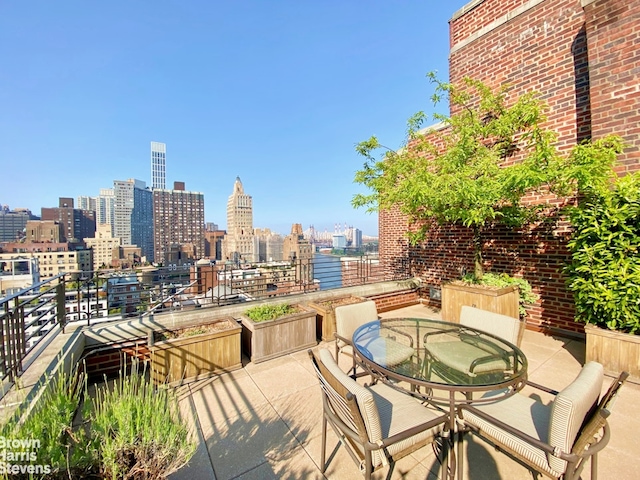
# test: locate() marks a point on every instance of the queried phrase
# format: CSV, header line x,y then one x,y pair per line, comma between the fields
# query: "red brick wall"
x,y
394,300
613,38
585,64
110,361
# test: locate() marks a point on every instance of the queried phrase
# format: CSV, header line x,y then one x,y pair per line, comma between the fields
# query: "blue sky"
x,y
276,92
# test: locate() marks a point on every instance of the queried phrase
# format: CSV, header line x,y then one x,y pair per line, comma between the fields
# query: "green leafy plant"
x,y
264,313
604,272
502,280
137,431
491,152
52,447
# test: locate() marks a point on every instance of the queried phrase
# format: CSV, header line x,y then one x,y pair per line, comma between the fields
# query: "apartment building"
x,y
178,225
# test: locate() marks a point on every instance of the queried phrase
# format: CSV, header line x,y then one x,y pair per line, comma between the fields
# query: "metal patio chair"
x,y
472,359
350,317
555,440
377,424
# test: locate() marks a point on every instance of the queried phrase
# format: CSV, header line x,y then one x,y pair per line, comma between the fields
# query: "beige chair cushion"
x,y
496,324
524,414
570,409
350,317
460,356
556,424
385,411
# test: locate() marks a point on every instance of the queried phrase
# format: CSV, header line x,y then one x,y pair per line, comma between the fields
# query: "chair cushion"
x,y
364,397
397,413
496,324
460,355
386,351
524,414
570,409
385,411
350,317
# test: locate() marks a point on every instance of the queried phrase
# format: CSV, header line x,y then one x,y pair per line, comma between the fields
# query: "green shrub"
x,y
136,427
263,313
56,450
604,273
502,280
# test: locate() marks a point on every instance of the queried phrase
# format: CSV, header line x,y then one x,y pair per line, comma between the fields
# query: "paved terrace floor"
x,y
264,421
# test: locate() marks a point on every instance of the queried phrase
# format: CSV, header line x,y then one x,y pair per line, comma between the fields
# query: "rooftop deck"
x,y
264,421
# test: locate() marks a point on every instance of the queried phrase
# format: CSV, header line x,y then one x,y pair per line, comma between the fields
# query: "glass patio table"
x,y
452,364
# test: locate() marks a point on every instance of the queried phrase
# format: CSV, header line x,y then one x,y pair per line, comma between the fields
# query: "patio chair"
x,y
349,318
377,424
472,359
555,439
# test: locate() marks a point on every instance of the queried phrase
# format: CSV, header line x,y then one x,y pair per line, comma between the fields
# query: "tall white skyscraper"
x,y
158,165
238,242
105,208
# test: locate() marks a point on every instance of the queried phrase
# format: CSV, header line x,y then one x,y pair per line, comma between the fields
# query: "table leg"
x,y
451,454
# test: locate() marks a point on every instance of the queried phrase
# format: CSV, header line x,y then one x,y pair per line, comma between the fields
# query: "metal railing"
x,y
92,297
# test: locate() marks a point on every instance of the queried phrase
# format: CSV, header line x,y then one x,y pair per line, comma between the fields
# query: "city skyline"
x,y
276,94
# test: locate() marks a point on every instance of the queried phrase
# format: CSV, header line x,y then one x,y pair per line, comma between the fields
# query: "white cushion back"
x,y
570,408
496,324
364,397
350,317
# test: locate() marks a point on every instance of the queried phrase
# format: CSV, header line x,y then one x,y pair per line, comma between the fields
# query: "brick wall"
x,y
395,300
585,64
111,360
613,39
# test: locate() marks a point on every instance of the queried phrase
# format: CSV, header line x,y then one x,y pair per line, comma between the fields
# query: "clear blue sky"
x,y
276,92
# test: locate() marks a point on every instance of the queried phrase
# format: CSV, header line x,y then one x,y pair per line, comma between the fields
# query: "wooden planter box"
x,y
326,316
616,351
273,338
504,300
194,357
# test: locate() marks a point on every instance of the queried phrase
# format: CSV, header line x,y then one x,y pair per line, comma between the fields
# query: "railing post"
x,y
61,311
6,370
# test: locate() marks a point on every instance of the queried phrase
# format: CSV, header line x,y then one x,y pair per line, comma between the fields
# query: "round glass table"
x,y
451,364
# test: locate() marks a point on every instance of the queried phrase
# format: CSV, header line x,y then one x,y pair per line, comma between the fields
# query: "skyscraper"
x,y
133,215
178,224
105,206
238,242
158,165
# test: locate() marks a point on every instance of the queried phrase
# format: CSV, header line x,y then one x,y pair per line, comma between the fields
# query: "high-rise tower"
x,y
158,165
238,242
178,225
133,215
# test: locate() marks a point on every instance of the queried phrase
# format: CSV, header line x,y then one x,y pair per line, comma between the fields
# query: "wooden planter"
x,y
616,351
326,316
273,338
188,358
503,300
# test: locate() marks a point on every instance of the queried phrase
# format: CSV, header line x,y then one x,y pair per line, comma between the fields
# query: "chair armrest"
x,y
542,388
400,332
555,451
343,339
439,332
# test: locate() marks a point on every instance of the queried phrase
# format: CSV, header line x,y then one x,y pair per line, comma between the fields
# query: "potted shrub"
x,y
604,274
476,170
196,351
499,293
275,329
326,317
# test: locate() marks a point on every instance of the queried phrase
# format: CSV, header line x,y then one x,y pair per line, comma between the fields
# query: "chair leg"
x,y
323,454
594,466
460,452
368,467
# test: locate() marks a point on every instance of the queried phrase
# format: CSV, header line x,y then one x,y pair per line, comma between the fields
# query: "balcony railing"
x,y
92,297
